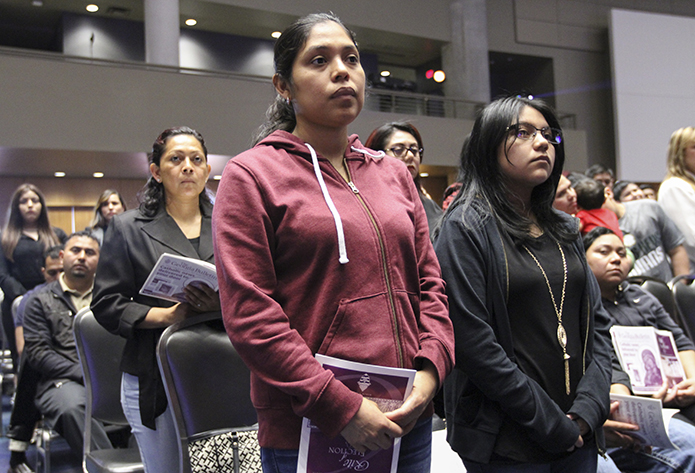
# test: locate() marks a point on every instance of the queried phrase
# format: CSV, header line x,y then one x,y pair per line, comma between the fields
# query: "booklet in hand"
x,y
173,272
649,356
388,388
648,414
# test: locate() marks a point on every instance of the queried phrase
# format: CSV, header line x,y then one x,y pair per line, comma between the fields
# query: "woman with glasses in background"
x,y
529,391
403,141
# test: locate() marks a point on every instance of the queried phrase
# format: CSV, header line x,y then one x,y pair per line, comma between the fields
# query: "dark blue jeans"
x,y
583,460
415,455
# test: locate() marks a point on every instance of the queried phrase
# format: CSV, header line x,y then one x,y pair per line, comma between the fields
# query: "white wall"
x,y
654,83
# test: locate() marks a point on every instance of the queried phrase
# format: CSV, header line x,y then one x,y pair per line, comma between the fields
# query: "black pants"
x,y
63,407
8,328
25,414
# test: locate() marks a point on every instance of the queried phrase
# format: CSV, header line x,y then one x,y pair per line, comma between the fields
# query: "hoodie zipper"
x,y
384,266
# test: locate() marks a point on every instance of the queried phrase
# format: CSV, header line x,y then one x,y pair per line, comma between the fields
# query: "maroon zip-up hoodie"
x,y
286,296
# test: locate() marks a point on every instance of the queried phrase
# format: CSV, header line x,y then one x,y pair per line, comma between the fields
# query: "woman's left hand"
x,y
202,298
425,387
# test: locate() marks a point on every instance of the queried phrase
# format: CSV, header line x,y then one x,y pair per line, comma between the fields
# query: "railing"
x,y
409,103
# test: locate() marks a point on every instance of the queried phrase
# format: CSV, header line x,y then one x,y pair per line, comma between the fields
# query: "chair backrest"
x,y
100,356
207,383
684,295
660,290
663,292
15,307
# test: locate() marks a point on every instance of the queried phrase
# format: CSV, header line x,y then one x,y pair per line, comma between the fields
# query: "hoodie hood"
x,y
292,144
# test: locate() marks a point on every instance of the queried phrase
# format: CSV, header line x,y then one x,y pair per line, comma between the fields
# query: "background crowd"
x,y
500,297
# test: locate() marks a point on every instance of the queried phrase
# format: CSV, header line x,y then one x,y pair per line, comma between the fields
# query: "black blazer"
x,y
132,245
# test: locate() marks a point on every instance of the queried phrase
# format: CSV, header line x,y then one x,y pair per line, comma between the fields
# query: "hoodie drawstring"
x,y
379,154
342,250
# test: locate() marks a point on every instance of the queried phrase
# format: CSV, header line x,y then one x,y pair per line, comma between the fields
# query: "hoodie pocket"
x,y
362,330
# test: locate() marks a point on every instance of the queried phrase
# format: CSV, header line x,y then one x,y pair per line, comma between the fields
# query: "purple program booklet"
x,y
388,388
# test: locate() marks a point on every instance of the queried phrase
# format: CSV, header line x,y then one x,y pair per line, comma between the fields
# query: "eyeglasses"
x,y
526,131
400,151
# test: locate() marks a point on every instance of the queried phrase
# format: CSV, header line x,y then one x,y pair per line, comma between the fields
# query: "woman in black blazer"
x,y
174,217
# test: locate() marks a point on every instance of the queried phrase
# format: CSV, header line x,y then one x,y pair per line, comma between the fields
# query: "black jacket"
x,y
487,384
24,273
50,345
132,245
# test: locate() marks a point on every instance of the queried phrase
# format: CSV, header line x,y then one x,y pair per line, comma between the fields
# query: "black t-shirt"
x,y
534,326
195,242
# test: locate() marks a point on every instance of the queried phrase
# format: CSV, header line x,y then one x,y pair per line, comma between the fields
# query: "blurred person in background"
x,y
403,141
677,192
109,204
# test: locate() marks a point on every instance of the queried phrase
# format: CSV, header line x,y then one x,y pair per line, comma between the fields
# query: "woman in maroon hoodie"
x,y
322,246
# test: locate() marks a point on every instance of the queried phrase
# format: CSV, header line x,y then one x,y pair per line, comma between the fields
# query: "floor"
x,y
62,460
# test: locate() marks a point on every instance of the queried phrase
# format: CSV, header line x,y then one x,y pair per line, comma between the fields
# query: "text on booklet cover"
x,y
172,273
388,388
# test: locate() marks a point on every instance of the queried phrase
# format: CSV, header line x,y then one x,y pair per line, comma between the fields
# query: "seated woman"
x,y
629,304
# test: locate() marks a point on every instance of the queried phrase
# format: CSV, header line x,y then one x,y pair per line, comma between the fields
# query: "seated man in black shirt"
x,y
50,346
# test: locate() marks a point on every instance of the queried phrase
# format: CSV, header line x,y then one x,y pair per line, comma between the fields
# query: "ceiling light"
x,y
276,34
37,3
59,174
91,8
385,73
217,177
191,22
424,174
439,76
98,175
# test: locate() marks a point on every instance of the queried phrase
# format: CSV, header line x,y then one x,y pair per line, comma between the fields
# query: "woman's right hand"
x,y
202,298
370,429
583,430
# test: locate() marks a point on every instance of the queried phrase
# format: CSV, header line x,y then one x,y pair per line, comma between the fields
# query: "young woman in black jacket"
x,y
530,387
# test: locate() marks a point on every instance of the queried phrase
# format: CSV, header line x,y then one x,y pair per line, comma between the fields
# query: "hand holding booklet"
x,y
388,388
648,414
649,356
172,273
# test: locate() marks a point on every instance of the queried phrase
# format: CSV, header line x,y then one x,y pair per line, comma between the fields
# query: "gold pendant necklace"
x,y
561,333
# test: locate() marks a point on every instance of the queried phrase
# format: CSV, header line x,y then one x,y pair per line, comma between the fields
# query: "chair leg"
x,y
43,449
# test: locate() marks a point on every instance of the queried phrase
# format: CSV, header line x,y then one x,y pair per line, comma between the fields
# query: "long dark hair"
x,y
280,114
98,220
152,196
15,223
483,182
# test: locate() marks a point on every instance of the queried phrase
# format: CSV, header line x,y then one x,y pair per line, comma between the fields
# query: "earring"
x,y
158,180
289,101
